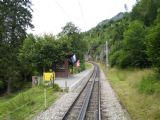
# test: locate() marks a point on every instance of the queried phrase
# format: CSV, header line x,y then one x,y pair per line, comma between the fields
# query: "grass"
x,y
138,91
150,85
25,105
88,65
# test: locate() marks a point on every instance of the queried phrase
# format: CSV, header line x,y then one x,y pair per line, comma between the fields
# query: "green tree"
x,y
153,43
134,46
40,53
46,53
115,40
26,56
69,29
15,17
145,11
75,39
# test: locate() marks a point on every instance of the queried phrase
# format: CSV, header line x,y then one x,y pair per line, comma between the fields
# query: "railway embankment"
x,y
138,91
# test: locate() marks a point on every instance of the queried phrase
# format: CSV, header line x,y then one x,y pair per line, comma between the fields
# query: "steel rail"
x,y
99,95
66,114
86,100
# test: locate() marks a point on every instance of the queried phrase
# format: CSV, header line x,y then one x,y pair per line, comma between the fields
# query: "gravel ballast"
x,y
110,106
60,107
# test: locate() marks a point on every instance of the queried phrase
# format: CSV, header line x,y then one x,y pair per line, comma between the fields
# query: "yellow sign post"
x,y
48,76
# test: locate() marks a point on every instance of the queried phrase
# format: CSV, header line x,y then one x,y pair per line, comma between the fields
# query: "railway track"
x,y
92,99
87,105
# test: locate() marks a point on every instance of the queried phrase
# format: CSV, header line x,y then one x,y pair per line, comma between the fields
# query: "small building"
x,y
62,69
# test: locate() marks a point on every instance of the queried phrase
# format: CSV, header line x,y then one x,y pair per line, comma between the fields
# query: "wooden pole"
x,y
45,98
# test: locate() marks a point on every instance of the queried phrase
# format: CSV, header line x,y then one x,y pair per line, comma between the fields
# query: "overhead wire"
x,y
63,10
69,18
82,13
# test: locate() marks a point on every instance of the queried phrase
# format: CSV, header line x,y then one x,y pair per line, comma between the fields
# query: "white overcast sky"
x,y
49,16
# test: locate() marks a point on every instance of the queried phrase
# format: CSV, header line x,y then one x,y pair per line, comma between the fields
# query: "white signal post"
x,y
45,98
107,65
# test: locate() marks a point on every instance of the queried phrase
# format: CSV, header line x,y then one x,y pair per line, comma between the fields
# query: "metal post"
x,y
67,67
45,98
66,83
107,54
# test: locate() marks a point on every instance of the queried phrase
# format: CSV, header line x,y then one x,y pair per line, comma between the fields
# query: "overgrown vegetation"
x,y
26,54
138,91
15,17
27,104
56,88
133,38
150,84
88,65
41,53
133,41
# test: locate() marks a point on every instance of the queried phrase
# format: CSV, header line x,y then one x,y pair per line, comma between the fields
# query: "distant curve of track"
x,y
87,105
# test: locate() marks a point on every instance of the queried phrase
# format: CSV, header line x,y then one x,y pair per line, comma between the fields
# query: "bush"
x,y
56,87
1,84
149,84
124,60
82,65
153,45
120,59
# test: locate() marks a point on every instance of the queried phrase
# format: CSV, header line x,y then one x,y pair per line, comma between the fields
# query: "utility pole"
x,y
107,63
126,7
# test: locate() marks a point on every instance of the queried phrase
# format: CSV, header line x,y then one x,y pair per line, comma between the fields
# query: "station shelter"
x,y
62,69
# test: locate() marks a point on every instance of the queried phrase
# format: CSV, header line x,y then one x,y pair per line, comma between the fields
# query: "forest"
x,y
133,37
133,41
23,55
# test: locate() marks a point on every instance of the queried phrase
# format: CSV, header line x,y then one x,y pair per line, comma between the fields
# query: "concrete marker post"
x,y
107,60
45,98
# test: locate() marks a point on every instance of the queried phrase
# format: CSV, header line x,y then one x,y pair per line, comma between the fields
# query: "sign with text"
x,y
48,76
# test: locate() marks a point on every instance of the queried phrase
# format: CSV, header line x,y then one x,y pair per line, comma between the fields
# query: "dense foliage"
x,y
133,39
40,53
23,55
15,17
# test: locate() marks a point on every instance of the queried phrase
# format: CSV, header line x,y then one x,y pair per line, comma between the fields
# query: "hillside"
x,y
115,18
134,44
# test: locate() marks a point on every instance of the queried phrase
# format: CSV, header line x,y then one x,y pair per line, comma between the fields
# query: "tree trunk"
x,y
72,69
25,77
9,89
43,69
